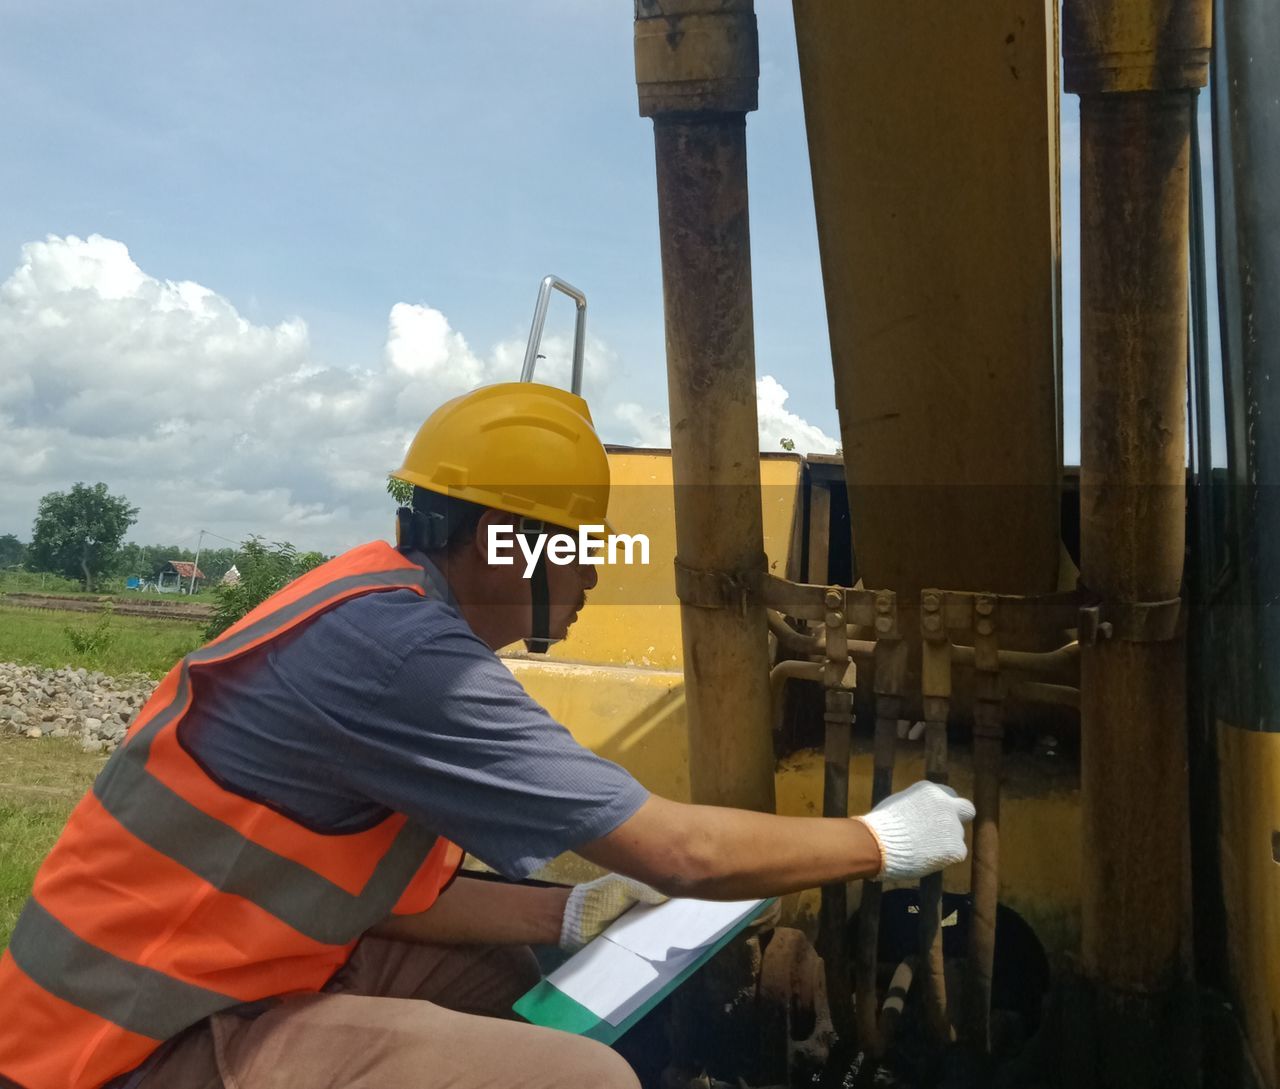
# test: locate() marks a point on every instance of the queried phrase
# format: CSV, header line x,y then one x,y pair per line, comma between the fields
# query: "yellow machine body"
x,y
933,140
1249,838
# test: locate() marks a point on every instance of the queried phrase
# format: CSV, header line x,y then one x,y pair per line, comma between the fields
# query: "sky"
x,y
246,248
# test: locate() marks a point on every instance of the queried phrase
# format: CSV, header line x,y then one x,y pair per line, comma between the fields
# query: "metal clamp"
x,y
712,589
1130,621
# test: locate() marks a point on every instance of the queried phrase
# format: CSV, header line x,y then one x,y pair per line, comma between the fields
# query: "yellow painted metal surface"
x,y
1249,772
632,617
635,717
933,143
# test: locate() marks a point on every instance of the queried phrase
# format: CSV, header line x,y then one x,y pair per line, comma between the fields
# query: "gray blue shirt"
x,y
390,703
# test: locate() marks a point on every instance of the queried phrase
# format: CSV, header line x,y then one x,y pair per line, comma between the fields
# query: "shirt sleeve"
x,y
454,741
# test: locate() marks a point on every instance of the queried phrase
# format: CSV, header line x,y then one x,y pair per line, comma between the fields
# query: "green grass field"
x,y
114,644
40,782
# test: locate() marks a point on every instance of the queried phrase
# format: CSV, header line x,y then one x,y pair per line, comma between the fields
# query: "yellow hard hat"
x,y
521,447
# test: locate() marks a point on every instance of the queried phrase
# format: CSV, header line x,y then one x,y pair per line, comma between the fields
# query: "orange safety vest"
x,y
169,898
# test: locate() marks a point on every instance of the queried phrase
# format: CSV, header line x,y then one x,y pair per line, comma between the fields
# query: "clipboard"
x,y
547,1005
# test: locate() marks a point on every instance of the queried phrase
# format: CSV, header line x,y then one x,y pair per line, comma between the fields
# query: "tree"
x,y
400,490
264,568
12,551
78,533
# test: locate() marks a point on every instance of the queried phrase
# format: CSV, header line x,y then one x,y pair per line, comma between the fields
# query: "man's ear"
x,y
480,542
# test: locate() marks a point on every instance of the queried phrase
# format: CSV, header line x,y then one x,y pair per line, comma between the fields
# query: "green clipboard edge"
x,y
545,1006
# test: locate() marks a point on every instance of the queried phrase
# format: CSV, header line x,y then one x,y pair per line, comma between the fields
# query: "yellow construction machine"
x,y
1093,656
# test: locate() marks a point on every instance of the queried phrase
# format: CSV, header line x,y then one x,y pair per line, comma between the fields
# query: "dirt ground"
x,y
157,607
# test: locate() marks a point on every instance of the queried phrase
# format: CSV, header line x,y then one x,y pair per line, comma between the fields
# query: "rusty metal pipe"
x,y
1061,663
988,738
936,689
1132,65
791,670
1054,695
890,679
984,883
937,1020
790,640
1134,161
697,70
838,742
867,949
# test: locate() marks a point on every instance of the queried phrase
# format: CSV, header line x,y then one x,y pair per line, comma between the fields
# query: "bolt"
x,y
884,624
932,622
835,620
985,627
834,599
931,603
985,606
884,604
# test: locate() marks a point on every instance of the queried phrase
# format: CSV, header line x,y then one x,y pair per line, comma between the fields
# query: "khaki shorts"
x,y
398,1016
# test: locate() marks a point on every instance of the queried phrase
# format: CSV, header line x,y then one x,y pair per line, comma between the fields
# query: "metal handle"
x,y
540,318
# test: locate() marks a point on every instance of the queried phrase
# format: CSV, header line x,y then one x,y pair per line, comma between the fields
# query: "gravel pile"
x,y
91,707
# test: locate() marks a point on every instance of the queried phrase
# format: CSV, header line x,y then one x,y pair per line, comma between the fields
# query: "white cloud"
x,y
645,427
778,422
205,419
420,344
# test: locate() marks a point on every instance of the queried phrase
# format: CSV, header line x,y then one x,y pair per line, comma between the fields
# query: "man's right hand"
x,y
718,853
920,830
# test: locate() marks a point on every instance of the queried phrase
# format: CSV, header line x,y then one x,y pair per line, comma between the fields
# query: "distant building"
x,y
177,577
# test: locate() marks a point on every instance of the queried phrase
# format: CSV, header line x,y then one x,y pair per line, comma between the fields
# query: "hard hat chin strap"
x,y
539,642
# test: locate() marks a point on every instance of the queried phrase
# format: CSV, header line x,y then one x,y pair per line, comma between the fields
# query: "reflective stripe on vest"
x,y
123,932
136,998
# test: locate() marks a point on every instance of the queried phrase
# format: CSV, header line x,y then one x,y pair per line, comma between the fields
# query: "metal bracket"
x,y
936,651
1130,621
890,654
712,589
836,644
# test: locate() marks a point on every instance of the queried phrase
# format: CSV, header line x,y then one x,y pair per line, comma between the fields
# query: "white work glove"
x,y
919,830
593,906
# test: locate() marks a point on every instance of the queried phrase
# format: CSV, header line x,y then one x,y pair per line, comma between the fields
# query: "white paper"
x,y
655,931
604,977
642,952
